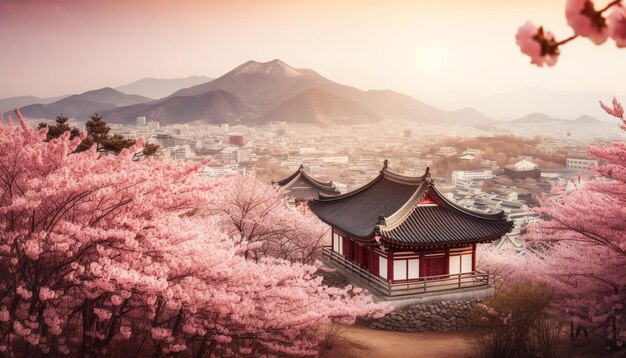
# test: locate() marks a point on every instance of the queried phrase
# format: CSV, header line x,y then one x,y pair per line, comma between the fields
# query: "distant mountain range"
x,y
539,118
275,91
159,88
259,92
82,105
217,104
515,104
23,101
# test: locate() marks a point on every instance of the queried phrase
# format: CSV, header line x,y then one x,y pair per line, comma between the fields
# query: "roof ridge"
x,y
385,173
326,198
329,186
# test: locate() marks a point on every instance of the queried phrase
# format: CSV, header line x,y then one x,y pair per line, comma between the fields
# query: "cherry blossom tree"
x,y
106,254
581,246
585,20
257,213
506,267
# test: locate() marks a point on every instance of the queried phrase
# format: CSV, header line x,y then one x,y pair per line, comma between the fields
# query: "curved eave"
x,y
481,240
328,187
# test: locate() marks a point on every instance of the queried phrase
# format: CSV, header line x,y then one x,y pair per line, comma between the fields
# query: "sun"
x,y
432,58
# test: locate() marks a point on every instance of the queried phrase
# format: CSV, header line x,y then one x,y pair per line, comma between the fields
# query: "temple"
x,y
400,236
301,187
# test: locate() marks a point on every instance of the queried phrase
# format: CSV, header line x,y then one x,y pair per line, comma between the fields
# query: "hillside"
x,y
212,107
158,87
320,107
84,104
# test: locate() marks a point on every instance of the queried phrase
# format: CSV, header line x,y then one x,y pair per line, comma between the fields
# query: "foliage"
x,y
516,322
504,149
581,246
98,135
59,127
585,20
256,213
106,254
506,267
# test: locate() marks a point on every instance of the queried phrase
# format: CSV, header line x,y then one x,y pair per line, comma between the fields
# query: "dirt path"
x,y
359,341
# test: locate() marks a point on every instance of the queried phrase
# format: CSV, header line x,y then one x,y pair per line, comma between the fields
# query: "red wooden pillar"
x,y
390,265
473,257
446,262
422,264
376,260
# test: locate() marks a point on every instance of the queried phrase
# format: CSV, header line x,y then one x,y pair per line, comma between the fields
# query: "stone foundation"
x,y
447,316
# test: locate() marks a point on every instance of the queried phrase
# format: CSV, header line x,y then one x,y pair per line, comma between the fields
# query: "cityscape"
x,y
313,179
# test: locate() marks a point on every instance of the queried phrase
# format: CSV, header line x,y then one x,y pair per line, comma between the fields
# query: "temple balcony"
x,y
440,285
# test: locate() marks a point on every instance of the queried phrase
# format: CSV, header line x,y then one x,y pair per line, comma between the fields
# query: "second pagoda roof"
x,y
302,186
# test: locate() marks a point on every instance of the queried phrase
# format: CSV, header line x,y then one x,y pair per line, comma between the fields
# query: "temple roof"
x,y
407,210
301,186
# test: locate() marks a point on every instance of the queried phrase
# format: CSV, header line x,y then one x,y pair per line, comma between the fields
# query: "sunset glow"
x,y
416,47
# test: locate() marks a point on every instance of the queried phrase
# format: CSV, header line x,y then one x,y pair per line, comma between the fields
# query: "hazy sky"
x,y
52,47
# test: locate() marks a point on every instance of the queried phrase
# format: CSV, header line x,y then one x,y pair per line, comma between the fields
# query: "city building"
x,y
446,151
141,121
580,162
400,237
154,125
466,175
237,139
522,170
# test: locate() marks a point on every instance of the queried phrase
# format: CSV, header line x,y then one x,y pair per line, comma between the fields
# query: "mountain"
x,y
159,87
265,86
315,106
539,118
515,104
84,104
211,107
585,119
261,85
257,92
540,124
535,118
469,117
22,101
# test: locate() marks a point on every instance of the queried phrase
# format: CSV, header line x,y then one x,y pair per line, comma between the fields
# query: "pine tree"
x,y
59,127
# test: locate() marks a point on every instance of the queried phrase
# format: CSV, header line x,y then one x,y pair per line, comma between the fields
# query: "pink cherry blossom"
x,y
616,23
539,45
616,111
141,244
586,21
126,331
589,220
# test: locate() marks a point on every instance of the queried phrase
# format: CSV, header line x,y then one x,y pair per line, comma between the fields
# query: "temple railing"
x,y
418,286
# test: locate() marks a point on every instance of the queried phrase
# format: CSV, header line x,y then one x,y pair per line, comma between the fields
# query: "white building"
x,y
180,152
446,151
154,125
467,175
525,164
141,121
580,163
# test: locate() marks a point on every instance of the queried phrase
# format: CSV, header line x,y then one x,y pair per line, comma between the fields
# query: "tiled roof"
x,y
302,186
391,207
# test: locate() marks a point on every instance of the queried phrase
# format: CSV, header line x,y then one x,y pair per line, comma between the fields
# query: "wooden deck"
x,y
423,285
